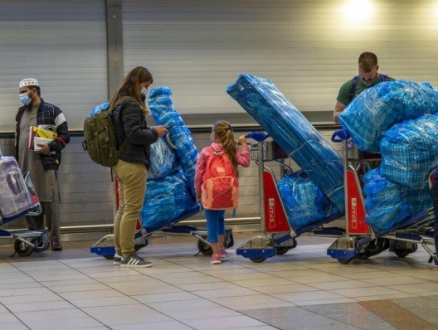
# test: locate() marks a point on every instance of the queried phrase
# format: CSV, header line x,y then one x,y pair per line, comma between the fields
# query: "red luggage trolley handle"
x,y
274,219
354,201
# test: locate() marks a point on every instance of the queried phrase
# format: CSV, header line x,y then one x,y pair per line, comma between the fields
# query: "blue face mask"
x,y
144,91
24,98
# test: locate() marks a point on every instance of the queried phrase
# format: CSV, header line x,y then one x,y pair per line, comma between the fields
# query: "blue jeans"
x,y
215,224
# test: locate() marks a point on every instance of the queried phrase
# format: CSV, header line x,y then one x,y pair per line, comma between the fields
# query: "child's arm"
x,y
243,157
199,173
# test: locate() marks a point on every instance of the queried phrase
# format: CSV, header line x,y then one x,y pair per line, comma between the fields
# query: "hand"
x,y
161,130
242,141
198,197
45,150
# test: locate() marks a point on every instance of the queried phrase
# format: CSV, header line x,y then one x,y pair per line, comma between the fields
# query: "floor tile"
x,y
303,289
341,285
233,322
125,314
171,325
40,306
166,297
312,295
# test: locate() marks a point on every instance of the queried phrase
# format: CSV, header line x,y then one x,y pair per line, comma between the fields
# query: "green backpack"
x,y
100,138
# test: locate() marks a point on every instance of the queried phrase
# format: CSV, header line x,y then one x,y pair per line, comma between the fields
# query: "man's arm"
x,y
339,107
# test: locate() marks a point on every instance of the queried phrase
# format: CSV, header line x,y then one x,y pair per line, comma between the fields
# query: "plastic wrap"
x,y
165,200
293,132
163,160
376,109
303,200
410,151
164,113
14,196
388,203
99,108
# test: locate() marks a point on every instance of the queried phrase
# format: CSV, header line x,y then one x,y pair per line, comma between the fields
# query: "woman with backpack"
x,y
216,182
133,133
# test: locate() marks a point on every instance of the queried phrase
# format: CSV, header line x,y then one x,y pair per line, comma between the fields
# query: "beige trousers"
x,y
132,188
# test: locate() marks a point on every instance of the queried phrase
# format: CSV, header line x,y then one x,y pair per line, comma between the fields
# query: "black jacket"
x,y
49,117
130,122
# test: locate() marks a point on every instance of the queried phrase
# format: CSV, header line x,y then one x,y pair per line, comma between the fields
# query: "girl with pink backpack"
x,y
216,182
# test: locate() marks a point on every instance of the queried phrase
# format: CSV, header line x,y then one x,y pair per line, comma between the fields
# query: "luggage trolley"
x,y
361,241
105,246
276,237
26,241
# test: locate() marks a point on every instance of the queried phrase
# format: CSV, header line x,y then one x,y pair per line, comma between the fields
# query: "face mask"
x,y
144,91
24,98
370,82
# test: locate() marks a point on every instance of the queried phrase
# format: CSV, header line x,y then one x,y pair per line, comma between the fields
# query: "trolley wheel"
x,y
374,248
280,250
414,247
204,248
257,260
41,244
345,261
108,257
401,253
22,249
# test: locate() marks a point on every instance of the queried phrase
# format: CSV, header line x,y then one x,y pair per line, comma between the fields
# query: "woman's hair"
x,y
130,87
223,134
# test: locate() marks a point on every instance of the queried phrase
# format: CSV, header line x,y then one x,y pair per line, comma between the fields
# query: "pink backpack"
x,y
220,189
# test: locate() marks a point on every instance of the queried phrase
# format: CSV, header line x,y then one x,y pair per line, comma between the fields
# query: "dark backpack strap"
x,y
123,99
355,82
353,86
384,77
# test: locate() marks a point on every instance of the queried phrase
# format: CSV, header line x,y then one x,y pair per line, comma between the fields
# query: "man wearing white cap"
x,y
44,163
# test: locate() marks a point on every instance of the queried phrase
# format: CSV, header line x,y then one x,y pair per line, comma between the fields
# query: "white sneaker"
x,y
117,259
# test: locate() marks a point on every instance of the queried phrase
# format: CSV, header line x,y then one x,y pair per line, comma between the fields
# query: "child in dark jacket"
x,y
223,141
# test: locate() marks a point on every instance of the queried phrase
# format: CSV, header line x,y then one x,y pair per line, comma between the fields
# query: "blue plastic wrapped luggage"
x,y
376,109
388,203
164,113
163,160
99,108
410,151
165,200
303,200
293,132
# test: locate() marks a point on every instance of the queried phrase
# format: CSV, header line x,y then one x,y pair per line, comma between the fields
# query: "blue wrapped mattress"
x,y
293,132
376,109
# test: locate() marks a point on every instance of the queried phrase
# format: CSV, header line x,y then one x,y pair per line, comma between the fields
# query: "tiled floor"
x,y
303,289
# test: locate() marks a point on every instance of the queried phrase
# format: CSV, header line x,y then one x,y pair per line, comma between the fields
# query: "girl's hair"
x,y
223,134
130,87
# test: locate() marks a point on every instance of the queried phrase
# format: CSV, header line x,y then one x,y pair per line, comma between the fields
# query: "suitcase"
x,y
14,195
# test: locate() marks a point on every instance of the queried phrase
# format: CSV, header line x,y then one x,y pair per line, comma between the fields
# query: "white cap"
x,y
29,82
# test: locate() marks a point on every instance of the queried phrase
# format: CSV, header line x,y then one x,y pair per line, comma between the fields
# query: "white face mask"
x,y
370,82
144,91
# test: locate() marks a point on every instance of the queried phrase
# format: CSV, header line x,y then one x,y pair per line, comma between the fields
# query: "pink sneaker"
x,y
215,259
223,253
